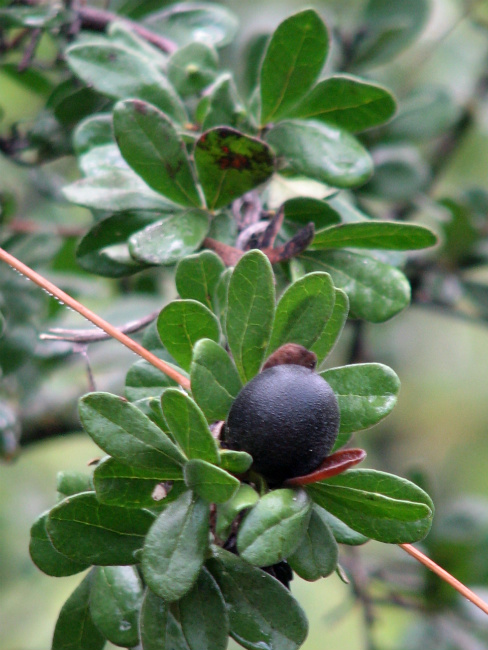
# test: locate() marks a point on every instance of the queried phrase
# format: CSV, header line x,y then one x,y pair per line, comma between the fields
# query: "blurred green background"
x,y
440,425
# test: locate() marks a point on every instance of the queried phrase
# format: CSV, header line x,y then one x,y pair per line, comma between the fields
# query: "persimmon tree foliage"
x,y
245,191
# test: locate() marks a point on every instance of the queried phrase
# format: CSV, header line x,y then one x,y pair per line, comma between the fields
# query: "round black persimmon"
x,y
287,418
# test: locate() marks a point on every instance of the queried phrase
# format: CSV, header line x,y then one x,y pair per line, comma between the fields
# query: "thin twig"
x,y
98,19
93,336
94,318
30,50
444,575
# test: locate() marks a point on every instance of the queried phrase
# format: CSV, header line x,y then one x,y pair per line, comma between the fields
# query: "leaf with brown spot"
x,y
229,164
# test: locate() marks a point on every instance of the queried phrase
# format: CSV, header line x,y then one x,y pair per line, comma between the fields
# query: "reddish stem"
x,y
94,318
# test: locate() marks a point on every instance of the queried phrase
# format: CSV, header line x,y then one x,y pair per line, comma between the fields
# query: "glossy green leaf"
x,y
211,483
348,102
104,249
316,555
262,612
208,23
342,533
367,393
223,106
181,324
229,164
381,506
75,629
115,601
115,191
302,311
250,312
68,483
322,152
158,627
169,240
124,432
143,380
235,462
46,557
118,72
197,276
333,327
188,425
221,298
293,60
203,616
304,210
192,68
127,486
215,382
123,34
376,291
244,498
375,234
91,532
152,147
273,529
175,547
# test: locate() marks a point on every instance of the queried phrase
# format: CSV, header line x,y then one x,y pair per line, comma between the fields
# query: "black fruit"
x,y
287,418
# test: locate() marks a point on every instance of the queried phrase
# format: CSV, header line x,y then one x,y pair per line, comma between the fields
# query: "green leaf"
x,y
192,68
215,382
235,462
333,327
302,311
104,249
367,393
342,533
181,324
208,23
75,629
244,498
169,240
250,312
223,106
124,432
321,151
123,34
273,529
31,17
115,601
381,506
376,291
91,532
158,627
348,102
293,60
46,557
118,72
316,556
68,483
390,26
203,616
189,426
115,190
211,483
95,131
175,547
229,164
262,612
304,210
152,147
144,380
221,298
375,234
117,484
197,276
